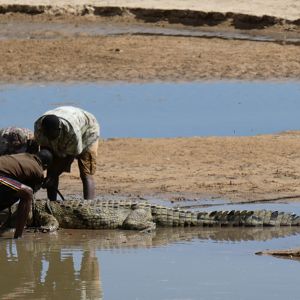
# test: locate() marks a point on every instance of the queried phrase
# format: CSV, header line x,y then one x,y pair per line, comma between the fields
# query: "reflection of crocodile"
x,y
89,214
124,239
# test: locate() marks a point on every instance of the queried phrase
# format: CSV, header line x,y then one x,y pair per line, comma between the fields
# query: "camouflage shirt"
x,y
79,129
14,140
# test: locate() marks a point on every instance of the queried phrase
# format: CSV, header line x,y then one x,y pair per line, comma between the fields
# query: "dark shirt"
x,y
24,167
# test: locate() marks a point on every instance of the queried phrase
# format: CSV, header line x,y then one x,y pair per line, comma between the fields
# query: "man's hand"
x,y
48,182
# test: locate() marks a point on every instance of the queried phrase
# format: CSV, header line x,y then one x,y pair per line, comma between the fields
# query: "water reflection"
x,y
66,265
37,271
26,30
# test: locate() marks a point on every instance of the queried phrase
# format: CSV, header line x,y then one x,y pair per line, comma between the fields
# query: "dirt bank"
x,y
288,9
38,46
236,168
58,55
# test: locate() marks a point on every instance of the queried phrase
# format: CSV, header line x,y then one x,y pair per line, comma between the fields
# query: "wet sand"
x,y
234,168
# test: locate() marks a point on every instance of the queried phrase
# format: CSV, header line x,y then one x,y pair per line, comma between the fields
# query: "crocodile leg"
x,y
140,219
47,222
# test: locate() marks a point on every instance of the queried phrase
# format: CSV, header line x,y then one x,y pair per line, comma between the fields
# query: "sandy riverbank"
x,y
235,168
45,45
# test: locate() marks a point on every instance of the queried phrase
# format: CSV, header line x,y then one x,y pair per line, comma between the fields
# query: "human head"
x,y
16,140
51,126
46,158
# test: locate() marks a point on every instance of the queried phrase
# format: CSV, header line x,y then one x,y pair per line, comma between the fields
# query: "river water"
x,y
204,263
163,109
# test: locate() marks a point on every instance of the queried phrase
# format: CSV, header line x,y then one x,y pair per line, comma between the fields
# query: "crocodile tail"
x,y
248,218
168,217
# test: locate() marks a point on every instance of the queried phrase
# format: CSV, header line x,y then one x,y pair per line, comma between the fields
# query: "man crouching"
x,y
21,175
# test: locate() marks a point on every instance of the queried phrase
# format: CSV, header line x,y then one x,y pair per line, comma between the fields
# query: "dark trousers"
x,y
8,196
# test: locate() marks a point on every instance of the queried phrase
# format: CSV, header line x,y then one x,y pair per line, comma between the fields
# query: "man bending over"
x,y
21,175
69,132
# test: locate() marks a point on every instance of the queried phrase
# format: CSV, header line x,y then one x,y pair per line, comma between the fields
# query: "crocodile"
x,y
144,216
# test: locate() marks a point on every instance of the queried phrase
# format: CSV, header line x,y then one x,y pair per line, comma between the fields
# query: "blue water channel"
x,y
163,109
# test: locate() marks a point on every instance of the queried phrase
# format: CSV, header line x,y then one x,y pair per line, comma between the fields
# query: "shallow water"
x,y
163,109
25,30
209,263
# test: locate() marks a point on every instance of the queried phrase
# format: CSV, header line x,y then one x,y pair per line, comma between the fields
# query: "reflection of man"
x,y
15,140
17,263
21,175
48,270
60,279
90,275
69,132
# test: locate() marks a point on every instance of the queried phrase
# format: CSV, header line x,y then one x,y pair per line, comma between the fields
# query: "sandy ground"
x,y
133,58
62,46
235,168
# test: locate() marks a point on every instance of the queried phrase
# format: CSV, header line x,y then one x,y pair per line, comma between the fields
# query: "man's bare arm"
x,y
26,195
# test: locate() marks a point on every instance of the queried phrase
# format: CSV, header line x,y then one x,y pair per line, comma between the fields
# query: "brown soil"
x,y
236,168
58,55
